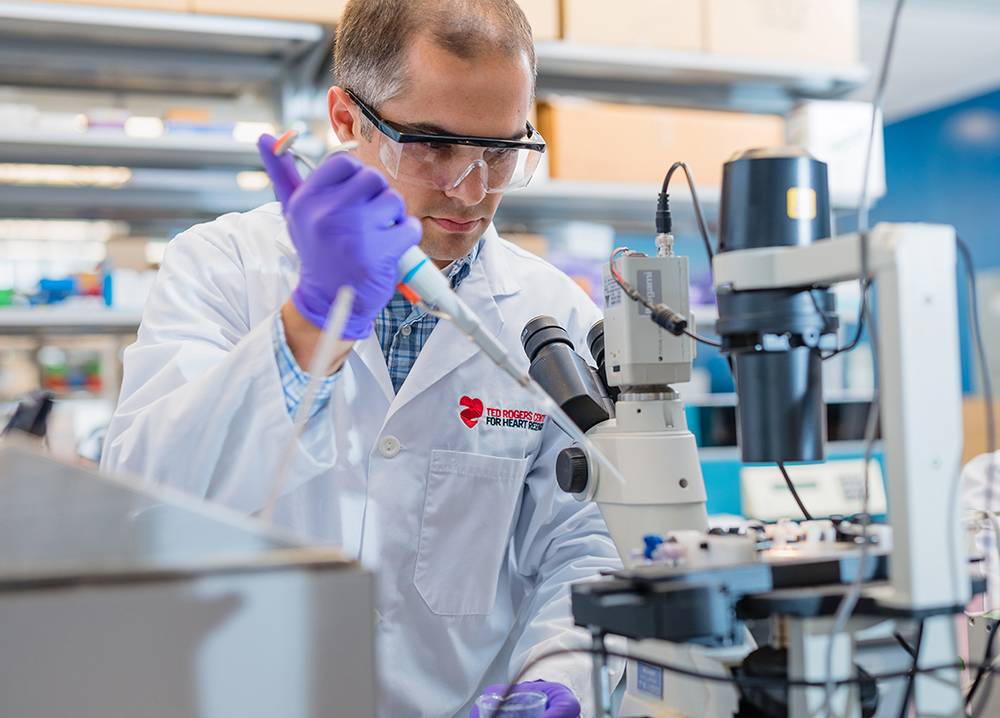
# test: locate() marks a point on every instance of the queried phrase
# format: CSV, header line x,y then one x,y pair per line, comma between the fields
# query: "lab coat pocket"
x,y
467,517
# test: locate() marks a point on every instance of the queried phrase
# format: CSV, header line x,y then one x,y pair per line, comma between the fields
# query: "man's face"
x,y
488,96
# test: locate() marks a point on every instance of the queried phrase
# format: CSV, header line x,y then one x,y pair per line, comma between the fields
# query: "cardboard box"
x,y
974,427
543,15
664,24
837,132
537,244
812,30
324,11
626,143
170,5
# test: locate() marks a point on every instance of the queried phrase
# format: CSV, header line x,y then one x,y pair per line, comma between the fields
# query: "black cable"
x,y
670,173
984,367
703,340
909,683
987,659
991,427
905,644
876,108
865,286
985,700
702,226
850,599
795,494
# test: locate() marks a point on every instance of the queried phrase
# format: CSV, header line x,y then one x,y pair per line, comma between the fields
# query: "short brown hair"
x,y
374,35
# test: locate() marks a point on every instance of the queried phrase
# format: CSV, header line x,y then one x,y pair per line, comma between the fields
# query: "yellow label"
x,y
801,203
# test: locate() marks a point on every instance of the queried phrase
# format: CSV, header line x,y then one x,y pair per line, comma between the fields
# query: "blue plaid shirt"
x,y
402,330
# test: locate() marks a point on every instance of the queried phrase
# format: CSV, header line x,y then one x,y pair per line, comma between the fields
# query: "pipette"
x,y
336,319
420,279
283,145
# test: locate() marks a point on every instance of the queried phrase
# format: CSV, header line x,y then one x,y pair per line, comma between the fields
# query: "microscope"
x,y
685,592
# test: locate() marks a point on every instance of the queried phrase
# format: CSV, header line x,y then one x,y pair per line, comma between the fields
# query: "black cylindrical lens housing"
x,y
773,198
774,337
563,373
786,425
595,341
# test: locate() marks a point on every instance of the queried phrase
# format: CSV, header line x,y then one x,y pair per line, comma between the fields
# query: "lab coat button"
x,y
388,446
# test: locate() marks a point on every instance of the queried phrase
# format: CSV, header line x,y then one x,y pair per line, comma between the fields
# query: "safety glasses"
x,y
443,162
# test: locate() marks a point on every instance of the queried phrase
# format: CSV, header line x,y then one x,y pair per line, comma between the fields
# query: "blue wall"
x,y
944,167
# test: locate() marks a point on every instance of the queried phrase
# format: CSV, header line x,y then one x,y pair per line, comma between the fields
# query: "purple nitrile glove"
x,y
348,227
560,703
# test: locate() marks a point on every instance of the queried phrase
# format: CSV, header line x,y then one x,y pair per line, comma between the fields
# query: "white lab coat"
x,y
473,543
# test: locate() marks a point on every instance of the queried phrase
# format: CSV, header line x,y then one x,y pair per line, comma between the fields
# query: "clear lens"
x,y
443,166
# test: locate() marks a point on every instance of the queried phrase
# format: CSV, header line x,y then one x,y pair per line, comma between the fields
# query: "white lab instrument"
x,y
775,317
914,267
837,486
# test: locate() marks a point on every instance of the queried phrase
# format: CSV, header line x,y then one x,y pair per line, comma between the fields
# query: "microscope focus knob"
x,y
572,470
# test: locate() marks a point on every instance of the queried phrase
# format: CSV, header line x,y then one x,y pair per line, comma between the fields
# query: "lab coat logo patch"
x,y
507,418
473,412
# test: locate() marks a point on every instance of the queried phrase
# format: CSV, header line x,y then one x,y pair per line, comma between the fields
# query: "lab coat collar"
x,y
370,352
447,348
493,259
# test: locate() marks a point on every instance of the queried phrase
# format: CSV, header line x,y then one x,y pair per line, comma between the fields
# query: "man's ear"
x,y
342,114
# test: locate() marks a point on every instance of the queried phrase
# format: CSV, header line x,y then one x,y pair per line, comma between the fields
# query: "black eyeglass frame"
x,y
401,134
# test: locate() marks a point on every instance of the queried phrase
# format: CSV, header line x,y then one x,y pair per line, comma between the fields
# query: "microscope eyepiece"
x,y
563,373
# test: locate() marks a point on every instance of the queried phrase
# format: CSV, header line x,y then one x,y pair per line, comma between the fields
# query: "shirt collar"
x,y
458,270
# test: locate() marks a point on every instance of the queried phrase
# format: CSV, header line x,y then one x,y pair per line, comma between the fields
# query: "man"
x,y
411,458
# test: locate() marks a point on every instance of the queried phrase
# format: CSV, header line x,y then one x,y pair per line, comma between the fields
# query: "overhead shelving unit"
x,y
66,320
627,206
129,49
149,210
178,178
694,79
114,148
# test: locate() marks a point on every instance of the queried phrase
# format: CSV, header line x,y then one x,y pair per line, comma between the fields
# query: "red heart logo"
x,y
474,411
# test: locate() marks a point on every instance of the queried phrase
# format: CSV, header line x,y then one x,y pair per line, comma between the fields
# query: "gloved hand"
x,y
561,702
348,227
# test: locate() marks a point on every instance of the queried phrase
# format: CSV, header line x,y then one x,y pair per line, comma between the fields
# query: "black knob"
x,y
571,470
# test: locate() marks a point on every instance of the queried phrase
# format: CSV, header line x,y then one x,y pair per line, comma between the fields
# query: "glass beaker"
x,y
522,704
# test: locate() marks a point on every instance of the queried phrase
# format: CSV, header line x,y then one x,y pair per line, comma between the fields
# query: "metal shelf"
x,y
628,207
114,148
66,320
694,79
148,209
147,50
